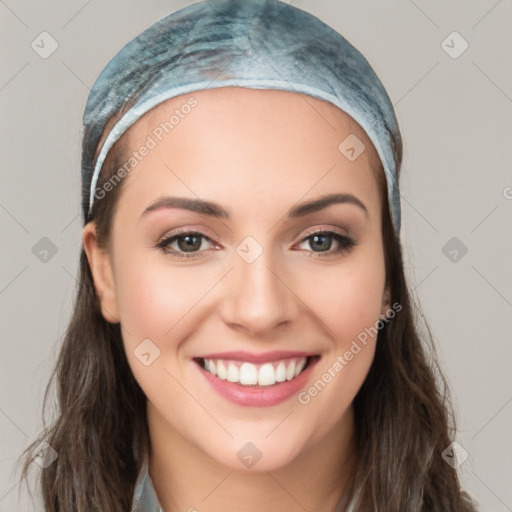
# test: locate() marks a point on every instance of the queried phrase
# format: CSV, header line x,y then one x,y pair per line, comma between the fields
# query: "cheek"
x,y
349,311
156,304
155,298
148,302
347,301
347,298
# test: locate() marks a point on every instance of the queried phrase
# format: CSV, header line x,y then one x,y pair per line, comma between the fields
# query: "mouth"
x,y
256,375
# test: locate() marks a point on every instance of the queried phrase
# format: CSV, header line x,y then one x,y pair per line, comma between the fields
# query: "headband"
x,y
259,44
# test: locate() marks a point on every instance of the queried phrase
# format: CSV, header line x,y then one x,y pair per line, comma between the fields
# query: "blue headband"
x,y
259,44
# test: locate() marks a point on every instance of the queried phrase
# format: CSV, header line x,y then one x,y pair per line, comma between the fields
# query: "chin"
x,y
258,455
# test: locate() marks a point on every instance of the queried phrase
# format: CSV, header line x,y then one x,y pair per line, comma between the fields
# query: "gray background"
x,y
455,117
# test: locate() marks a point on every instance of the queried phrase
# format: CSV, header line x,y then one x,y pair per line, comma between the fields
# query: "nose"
x,y
258,298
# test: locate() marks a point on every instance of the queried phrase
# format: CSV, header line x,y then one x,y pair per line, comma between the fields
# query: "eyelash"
x,y
345,243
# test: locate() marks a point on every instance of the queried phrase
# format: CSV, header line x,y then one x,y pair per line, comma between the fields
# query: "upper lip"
x,y
251,357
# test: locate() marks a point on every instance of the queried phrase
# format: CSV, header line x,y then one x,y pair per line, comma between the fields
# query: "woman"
x,y
243,336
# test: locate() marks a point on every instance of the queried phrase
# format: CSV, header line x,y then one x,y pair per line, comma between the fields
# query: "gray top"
x,y
146,500
144,496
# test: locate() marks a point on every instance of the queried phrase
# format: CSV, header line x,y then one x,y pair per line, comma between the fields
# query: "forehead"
x,y
284,109
243,140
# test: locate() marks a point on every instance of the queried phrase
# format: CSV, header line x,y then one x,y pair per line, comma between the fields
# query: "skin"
x,y
257,153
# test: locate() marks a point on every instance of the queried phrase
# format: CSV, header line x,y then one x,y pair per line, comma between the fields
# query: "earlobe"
x,y
102,274
386,303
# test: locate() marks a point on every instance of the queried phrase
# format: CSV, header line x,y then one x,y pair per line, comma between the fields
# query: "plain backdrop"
x,y
455,112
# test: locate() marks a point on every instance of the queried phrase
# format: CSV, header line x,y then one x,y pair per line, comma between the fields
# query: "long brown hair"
x,y
404,419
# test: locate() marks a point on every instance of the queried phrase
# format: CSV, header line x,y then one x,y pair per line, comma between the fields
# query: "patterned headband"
x,y
259,44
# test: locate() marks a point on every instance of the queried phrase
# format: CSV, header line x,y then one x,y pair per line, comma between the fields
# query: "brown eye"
x,y
188,244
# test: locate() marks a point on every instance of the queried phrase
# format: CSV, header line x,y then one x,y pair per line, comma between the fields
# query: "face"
x,y
258,281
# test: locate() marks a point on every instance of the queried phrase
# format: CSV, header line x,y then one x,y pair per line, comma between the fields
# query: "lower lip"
x,y
259,396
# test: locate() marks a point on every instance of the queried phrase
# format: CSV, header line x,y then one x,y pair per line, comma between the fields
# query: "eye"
x,y
322,240
188,244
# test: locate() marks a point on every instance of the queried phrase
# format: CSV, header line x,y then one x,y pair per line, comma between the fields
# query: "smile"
x,y
260,382
249,374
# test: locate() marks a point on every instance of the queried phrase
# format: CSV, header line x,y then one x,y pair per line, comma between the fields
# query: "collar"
x,y
144,496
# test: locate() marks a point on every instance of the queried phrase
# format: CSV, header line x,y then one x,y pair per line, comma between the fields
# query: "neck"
x,y
187,479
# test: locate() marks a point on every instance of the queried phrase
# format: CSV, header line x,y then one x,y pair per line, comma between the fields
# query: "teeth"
x,y
221,370
266,375
290,371
281,372
249,374
212,368
300,366
232,373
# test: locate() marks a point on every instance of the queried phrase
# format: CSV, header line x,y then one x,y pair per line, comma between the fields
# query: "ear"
x,y
103,277
386,302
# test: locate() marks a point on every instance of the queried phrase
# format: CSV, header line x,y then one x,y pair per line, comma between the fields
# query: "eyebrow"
x,y
210,208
